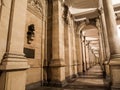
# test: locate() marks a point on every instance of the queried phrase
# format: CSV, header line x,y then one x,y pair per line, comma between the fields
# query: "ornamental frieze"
x,y
35,6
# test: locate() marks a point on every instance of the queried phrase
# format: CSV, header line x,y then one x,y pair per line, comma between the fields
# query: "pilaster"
x,y
105,40
87,55
14,64
68,52
79,53
74,52
57,63
84,54
5,6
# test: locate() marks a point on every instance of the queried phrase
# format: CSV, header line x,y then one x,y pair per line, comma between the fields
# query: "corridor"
x,y
91,80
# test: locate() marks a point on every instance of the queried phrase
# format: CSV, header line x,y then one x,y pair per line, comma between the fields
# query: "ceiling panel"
x,y
84,3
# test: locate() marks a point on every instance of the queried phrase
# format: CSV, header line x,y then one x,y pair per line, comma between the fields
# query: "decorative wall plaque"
x,y
29,53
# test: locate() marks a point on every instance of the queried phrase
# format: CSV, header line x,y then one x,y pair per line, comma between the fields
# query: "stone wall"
x,y
33,45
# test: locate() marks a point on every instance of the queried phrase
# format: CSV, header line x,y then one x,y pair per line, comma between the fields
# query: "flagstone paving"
x,y
91,80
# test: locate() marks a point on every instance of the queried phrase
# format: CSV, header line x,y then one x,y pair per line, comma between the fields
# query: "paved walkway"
x,y
91,80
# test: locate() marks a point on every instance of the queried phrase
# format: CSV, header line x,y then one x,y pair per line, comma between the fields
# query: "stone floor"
x,y
91,80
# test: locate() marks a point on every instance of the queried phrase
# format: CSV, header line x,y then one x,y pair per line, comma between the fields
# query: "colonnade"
x,y
71,54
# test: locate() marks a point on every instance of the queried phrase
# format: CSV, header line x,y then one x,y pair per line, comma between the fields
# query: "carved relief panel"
x,y
35,7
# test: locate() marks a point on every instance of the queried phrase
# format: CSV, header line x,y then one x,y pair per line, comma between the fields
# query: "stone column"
x,y
74,54
90,57
111,28
113,43
87,55
84,54
57,63
79,53
107,49
106,44
105,35
101,48
101,44
14,64
79,50
68,53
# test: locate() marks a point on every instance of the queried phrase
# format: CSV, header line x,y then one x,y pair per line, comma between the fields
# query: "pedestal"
x,y
115,73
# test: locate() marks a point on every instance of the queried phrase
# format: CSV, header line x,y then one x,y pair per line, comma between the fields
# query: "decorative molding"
x,y
98,24
92,21
65,13
1,3
100,10
80,26
35,7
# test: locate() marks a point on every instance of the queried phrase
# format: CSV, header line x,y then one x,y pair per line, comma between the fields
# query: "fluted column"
x,y
57,63
114,44
14,64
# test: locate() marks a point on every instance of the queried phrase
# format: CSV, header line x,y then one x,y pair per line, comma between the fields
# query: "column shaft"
x,y
14,64
114,44
57,63
79,54
111,27
68,53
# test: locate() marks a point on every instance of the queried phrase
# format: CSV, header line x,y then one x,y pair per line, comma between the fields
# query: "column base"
x,y
57,70
34,85
80,73
115,73
106,69
56,83
74,75
13,75
69,78
13,80
116,87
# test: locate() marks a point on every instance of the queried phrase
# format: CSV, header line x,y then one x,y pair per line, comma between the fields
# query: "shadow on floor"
x,y
91,80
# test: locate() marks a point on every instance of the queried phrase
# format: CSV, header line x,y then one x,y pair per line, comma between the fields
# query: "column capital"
x,y
100,10
80,26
